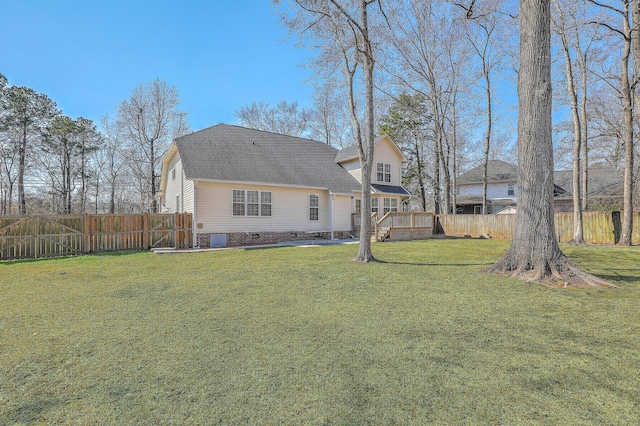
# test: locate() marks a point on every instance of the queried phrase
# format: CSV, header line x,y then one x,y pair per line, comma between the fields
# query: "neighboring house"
x,y
246,186
502,188
604,189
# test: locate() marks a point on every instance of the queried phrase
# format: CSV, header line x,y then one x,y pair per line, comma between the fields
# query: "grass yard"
x,y
305,336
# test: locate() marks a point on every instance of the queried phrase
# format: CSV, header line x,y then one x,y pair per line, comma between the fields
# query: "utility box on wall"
x,y
217,240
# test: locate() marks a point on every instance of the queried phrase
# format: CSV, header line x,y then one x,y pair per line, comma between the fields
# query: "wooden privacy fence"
x,y
41,236
598,227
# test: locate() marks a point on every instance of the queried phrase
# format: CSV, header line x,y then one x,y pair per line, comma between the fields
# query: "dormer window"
x,y
383,172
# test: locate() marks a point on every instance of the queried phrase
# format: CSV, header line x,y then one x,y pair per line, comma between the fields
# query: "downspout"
x,y
194,223
332,196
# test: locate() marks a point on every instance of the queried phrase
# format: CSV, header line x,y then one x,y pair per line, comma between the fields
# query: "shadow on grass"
x,y
72,256
631,278
389,262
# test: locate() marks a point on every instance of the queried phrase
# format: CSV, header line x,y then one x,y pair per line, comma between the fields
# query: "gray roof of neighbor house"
x,y
497,171
602,181
236,154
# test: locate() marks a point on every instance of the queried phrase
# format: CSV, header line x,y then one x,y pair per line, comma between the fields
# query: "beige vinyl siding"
x,y
385,153
342,213
289,210
177,186
353,167
173,188
187,194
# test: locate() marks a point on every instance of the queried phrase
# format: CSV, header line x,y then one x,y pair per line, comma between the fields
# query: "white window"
x,y
375,205
477,209
383,172
511,189
251,203
238,202
390,205
177,203
265,203
358,206
314,207
173,174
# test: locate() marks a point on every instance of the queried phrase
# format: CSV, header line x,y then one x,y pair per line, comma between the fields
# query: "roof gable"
x,y
237,154
351,152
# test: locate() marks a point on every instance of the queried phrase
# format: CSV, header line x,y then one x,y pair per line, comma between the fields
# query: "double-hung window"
x,y
375,205
390,205
265,203
251,203
511,189
314,207
383,172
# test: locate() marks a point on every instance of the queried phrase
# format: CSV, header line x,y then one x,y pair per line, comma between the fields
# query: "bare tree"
x,y
560,25
150,119
111,159
285,118
626,89
328,120
426,51
483,37
534,253
342,31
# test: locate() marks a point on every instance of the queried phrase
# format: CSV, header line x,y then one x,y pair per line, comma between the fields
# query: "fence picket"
x,y
41,236
598,227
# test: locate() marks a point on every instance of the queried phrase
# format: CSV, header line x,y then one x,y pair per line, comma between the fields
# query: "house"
x,y
604,189
502,187
246,186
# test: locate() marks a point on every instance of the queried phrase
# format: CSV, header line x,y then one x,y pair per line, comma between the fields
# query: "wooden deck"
x,y
398,226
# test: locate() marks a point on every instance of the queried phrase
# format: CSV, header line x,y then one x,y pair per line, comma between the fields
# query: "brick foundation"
x,y
235,239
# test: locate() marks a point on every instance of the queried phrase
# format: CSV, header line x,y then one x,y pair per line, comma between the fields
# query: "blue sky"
x,y
88,55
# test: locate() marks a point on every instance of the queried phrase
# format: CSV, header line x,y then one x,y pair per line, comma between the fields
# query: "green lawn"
x,y
305,336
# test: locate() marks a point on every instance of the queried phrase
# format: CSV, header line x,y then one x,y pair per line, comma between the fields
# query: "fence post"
x,y
86,231
145,231
175,231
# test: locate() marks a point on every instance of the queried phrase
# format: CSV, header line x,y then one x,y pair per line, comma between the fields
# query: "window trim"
x,y
389,205
383,172
511,189
257,205
376,208
313,208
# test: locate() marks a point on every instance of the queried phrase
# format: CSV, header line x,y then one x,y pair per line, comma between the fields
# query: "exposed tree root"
x,y
559,273
364,259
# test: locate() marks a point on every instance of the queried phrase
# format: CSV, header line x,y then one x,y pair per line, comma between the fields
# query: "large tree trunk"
x,y
366,151
534,253
627,218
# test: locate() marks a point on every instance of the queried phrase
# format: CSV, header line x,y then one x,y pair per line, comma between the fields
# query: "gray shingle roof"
x,y
602,182
497,171
237,154
390,189
347,153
